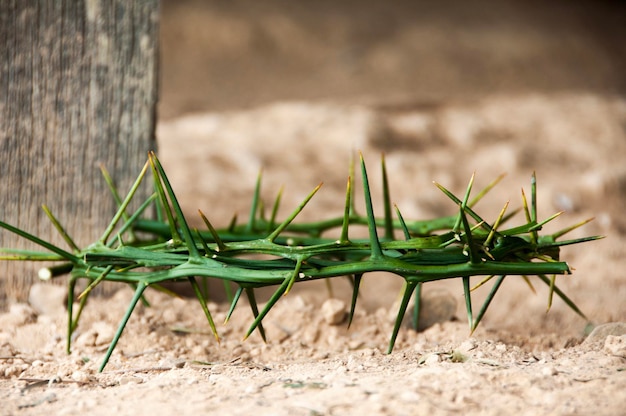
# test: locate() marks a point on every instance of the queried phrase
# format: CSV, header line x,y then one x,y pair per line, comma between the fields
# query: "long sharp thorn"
x,y
533,197
529,283
138,293
525,206
232,224
471,246
110,184
122,209
467,293
534,236
496,224
564,297
95,282
574,241
272,220
60,229
406,297
189,241
293,215
216,237
282,290
70,313
203,242
165,205
355,294
345,224
464,203
233,303
487,302
351,175
570,228
416,306
295,274
488,188
251,226
405,229
57,250
457,201
131,220
538,226
551,292
255,313
376,250
386,202
482,282
270,304
205,308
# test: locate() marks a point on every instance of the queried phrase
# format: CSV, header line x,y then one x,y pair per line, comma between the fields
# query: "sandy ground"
x,y
570,130
521,360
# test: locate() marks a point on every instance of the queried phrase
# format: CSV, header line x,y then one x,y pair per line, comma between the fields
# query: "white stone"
x,y
334,311
47,299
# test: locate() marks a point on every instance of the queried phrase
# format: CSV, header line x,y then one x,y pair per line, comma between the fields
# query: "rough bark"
x,y
78,88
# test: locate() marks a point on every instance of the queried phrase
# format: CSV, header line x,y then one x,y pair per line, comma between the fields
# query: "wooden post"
x,y
78,88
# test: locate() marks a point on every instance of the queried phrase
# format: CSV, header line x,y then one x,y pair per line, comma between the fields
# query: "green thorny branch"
x,y
145,253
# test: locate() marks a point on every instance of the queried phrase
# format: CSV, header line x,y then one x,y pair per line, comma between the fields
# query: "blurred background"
x,y
443,88
223,55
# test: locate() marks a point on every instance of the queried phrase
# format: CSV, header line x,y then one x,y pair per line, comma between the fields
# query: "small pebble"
x,y
549,371
334,311
467,345
47,299
19,314
130,379
615,345
431,359
601,332
80,376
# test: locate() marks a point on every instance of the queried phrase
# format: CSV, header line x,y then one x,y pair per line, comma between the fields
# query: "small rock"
x,y
130,379
615,345
47,299
436,306
37,363
19,314
80,376
467,345
334,311
431,359
549,371
100,333
598,336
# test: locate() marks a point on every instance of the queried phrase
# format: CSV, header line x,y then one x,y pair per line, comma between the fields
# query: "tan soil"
x,y
521,360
